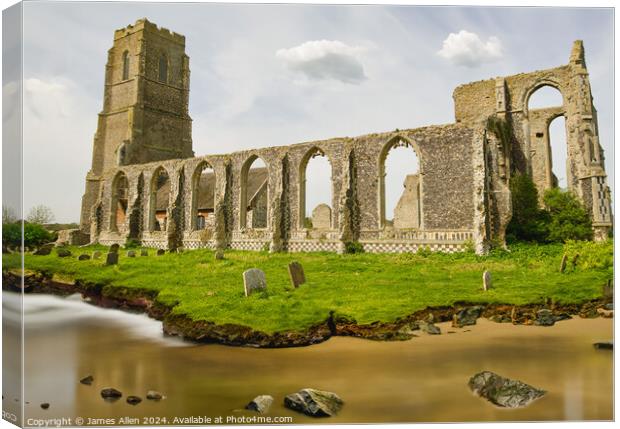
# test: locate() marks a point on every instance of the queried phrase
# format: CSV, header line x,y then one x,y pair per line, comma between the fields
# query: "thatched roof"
x,y
257,177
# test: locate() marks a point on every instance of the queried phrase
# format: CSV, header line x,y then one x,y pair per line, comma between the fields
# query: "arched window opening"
x,y
549,137
160,197
122,154
559,155
119,201
400,190
203,197
254,194
163,69
315,190
125,65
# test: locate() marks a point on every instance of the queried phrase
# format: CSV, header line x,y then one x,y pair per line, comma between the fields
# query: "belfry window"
x,y
163,69
125,65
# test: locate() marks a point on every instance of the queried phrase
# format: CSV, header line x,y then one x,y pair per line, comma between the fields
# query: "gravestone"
x,y
160,252
144,252
111,259
296,273
219,254
563,263
44,250
254,280
63,253
96,254
131,253
486,280
322,217
114,248
83,257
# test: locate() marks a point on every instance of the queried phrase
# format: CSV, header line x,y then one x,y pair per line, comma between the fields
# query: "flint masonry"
x,y
146,184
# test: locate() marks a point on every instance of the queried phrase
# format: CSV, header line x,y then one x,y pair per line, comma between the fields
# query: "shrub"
x,y
528,221
353,247
591,254
567,217
11,234
34,235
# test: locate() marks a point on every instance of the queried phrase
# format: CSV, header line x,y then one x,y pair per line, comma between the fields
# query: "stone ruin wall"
x,y
447,196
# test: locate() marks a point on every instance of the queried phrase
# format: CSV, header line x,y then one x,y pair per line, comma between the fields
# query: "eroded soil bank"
x,y
202,331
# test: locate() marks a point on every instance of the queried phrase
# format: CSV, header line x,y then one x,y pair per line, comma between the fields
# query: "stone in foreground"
x,y
604,345
45,405
314,403
110,393
429,328
466,316
261,403
296,273
254,280
134,400
502,391
544,317
111,259
154,395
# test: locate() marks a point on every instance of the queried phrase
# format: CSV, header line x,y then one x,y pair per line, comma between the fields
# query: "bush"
x,y
529,222
591,254
34,235
353,247
568,218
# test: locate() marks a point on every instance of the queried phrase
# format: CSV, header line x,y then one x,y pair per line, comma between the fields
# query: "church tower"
x,y
145,114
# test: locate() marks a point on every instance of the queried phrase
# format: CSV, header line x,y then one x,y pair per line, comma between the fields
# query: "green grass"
x,y
366,287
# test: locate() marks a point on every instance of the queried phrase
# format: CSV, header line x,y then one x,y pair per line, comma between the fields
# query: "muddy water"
x,y
421,380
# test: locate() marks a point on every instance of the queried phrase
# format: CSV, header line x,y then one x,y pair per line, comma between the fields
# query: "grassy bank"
x,y
366,287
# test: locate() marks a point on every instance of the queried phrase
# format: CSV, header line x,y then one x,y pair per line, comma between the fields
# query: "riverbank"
x,y
201,299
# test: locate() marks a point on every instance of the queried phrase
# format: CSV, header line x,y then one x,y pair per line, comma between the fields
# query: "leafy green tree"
x,y
567,217
529,222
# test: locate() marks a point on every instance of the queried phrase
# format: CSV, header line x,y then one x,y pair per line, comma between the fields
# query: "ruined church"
x,y
146,184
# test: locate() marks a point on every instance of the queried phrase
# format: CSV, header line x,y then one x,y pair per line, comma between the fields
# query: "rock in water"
x,y
429,328
88,380
466,316
83,257
503,392
261,403
254,280
111,259
154,395
45,405
314,403
605,345
296,273
134,400
63,253
110,393
486,280
544,317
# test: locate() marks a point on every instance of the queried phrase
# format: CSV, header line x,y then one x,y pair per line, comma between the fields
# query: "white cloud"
x,y
467,49
325,60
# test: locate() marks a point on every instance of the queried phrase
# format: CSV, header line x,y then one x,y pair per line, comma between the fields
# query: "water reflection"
x,y
422,380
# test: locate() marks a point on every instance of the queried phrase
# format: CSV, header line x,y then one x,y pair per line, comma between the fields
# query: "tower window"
x,y
163,69
125,65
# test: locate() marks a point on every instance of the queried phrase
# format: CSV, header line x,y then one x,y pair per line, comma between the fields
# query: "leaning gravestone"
x,y
111,259
114,248
486,280
44,250
131,253
296,273
254,280
563,263
144,252
96,254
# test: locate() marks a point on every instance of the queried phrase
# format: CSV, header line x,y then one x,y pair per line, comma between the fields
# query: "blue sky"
x,y
265,75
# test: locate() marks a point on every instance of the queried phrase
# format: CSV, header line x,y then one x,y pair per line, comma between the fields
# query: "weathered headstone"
x,y
111,259
83,257
114,248
96,254
131,253
563,263
144,252
296,273
219,254
322,217
486,280
44,250
63,253
160,252
254,280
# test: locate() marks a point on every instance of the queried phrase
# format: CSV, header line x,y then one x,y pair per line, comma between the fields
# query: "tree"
x,y
8,215
40,214
568,218
528,221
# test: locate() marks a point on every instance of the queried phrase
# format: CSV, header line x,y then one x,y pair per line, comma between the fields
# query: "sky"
x,y
267,75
